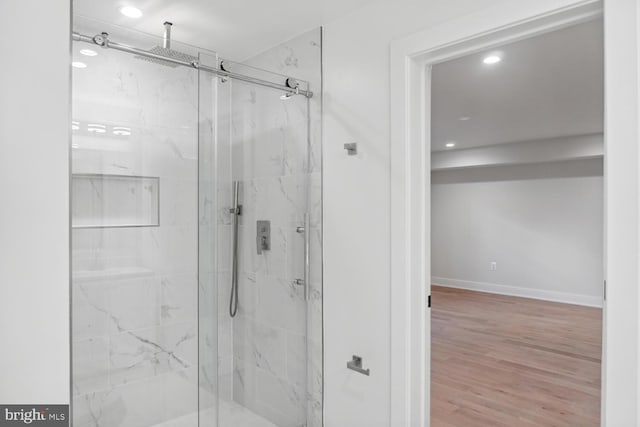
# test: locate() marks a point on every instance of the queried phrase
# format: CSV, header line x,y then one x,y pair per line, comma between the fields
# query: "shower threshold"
x,y
231,415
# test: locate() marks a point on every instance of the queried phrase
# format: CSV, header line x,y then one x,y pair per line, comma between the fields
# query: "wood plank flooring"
x,y
507,361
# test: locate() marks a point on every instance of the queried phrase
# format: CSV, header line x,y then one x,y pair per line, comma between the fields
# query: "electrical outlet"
x,y
493,266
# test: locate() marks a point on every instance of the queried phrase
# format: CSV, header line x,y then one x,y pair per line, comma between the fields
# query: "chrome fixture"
x,y
355,364
352,148
292,84
166,39
223,67
307,265
168,56
166,51
235,212
101,39
263,236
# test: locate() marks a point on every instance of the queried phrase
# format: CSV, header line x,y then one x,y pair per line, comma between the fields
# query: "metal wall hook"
x,y
352,148
355,364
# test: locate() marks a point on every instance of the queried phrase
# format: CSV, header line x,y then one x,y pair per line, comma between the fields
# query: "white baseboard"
x,y
492,288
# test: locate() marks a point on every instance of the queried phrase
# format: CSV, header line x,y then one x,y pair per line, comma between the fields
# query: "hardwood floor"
x,y
507,361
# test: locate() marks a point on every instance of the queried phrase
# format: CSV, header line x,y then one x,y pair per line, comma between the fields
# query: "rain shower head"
x,y
166,51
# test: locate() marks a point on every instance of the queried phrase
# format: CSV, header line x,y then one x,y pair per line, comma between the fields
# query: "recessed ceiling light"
x,y
78,64
88,52
464,118
96,128
492,59
75,125
131,12
450,144
121,131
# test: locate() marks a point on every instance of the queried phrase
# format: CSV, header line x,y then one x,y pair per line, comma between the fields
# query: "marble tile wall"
x,y
135,290
142,312
277,336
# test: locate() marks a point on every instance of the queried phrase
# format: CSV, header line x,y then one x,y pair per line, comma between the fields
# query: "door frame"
x,y
410,58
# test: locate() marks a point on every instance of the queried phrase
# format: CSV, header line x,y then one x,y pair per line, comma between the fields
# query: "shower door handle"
x,y
305,230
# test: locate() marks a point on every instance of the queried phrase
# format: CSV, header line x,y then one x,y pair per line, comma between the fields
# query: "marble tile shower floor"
x,y
231,415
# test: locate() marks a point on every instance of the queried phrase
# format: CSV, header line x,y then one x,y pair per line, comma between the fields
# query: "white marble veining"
x,y
152,340
138,403
135,290
276,146
231,414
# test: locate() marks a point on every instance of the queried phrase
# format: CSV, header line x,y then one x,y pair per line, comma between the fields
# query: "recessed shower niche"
x,y
159,247
101,200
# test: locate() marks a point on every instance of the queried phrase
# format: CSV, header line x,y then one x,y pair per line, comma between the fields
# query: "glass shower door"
x,y
157,241
135,217
263,348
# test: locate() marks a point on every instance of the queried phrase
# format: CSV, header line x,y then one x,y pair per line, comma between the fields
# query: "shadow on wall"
x,y
566,169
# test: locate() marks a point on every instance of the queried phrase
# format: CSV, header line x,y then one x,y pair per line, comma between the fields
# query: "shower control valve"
x,y
263,236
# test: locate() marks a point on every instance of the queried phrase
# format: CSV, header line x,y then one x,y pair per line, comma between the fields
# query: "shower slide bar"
x,y
104,41
235,212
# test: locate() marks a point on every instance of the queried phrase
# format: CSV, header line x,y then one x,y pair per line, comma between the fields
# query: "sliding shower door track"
x,y
103,40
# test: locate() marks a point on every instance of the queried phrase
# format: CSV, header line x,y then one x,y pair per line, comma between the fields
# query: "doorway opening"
x,y
517,231
411,195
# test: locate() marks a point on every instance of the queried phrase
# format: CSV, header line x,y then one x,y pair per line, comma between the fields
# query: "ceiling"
x,y
236,29
546,86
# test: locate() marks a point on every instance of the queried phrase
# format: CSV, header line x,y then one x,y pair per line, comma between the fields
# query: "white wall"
x,y
356,197
34,194
621,363
536,151
483,215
